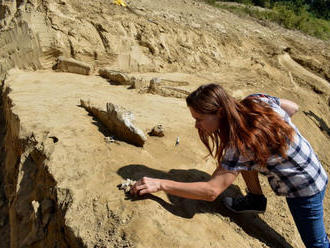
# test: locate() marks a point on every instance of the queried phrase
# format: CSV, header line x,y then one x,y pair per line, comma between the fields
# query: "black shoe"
x,y
250,203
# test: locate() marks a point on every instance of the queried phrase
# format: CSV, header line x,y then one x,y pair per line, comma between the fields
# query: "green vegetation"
x,y
310,16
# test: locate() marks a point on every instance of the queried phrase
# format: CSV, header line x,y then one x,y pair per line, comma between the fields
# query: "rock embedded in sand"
x,y
139,83
119,121
115,77
154,84
72,65
157,131
177,142
110,140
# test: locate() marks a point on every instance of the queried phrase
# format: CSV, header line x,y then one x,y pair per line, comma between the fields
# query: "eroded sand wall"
x,y
19,48
34,206
4,225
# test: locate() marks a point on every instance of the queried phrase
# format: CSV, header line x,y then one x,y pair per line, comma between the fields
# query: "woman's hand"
x,y
146,185
207,191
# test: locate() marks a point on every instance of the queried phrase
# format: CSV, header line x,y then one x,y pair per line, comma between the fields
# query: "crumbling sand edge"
x,y
4,225
36,206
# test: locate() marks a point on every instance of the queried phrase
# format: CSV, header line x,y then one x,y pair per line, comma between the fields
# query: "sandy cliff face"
x,y
58,173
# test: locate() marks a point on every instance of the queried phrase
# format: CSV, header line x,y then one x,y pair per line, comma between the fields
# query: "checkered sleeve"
x,y
233,161
273,101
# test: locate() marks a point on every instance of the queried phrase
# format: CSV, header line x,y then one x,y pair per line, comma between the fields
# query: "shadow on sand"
x,y
252,224
319,121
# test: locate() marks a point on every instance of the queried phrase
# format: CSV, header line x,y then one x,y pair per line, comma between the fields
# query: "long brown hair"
x,y
250,125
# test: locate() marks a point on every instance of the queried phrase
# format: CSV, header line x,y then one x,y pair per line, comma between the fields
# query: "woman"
x,y
250,136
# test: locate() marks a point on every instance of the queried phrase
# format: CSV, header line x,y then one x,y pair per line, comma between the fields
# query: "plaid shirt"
x,y
300,174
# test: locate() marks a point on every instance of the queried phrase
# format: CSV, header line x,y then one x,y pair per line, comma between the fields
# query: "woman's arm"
x,y
290,107
207,191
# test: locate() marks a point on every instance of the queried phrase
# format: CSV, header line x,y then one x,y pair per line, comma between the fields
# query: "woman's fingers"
x,y
133,189
144,191
139,187
143,186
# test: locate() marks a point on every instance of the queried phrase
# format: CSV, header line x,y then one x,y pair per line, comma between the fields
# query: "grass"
x,y
284,16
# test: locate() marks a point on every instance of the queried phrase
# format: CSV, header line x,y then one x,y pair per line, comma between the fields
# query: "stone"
x,y
154,83
35,205
115,77
177,142
119,121
139,83
110,140
157,131
72,65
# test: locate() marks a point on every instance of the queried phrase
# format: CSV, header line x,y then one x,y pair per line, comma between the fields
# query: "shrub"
x,y
289,14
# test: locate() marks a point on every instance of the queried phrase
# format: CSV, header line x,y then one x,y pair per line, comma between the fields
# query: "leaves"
x,y
291,14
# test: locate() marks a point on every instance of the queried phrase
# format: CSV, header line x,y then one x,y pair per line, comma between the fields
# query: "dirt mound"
x,y
59,176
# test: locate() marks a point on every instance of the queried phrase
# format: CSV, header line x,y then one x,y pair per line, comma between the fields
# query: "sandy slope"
x,y
48,105
54,155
